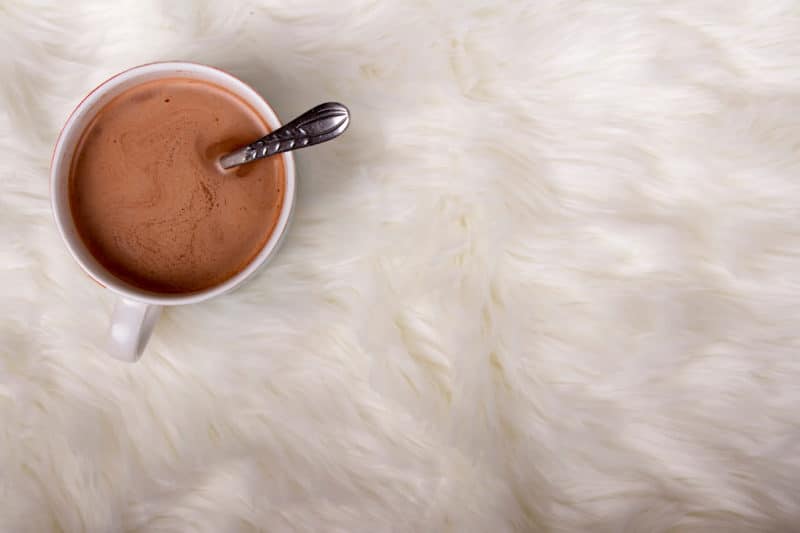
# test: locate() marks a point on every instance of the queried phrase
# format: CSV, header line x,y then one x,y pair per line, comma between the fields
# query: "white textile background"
x,y
548,281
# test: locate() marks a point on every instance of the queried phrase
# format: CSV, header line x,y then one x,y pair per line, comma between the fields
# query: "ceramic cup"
x,y
137,310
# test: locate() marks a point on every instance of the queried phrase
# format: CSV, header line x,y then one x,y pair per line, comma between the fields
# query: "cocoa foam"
x,y
149,199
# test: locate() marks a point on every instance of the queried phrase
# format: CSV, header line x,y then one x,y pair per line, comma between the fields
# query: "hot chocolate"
x,y
148,196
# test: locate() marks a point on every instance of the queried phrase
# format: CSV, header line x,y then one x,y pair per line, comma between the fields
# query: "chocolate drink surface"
x,y
151,202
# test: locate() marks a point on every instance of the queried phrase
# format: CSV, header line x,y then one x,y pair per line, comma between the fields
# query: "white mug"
x,y
137,310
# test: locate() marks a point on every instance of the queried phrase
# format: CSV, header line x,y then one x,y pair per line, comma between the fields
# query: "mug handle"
x,y
131,326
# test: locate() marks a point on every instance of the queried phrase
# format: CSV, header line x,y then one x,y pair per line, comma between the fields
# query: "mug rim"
x,y
105,278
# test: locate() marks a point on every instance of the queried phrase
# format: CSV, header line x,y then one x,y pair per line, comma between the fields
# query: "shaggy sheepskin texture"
x,y
549,280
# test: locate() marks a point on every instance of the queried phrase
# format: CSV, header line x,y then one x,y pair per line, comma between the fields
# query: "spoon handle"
x,y
317,125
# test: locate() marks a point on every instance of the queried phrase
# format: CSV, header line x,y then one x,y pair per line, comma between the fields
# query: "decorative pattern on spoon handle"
x,y
315,126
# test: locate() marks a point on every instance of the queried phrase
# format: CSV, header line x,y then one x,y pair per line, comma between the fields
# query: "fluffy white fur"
x,y
548,281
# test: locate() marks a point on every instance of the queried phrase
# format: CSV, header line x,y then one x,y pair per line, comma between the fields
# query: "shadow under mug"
x,y
137,310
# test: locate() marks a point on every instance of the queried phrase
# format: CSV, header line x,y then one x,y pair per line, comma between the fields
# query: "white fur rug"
x,y
548,281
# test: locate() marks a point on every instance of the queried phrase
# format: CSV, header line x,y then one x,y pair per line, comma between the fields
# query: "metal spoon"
x,y
317,125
